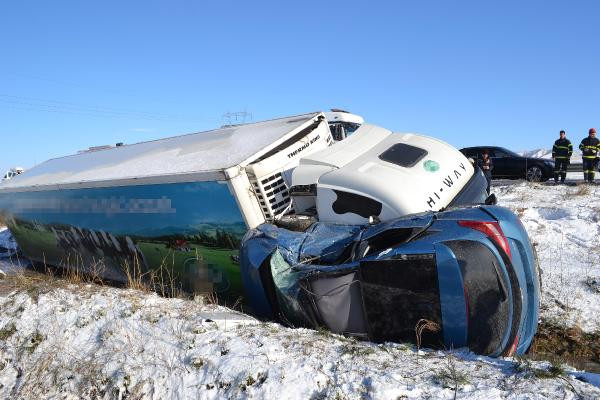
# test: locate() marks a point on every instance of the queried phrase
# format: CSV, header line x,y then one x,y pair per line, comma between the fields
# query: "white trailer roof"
x,y
202,155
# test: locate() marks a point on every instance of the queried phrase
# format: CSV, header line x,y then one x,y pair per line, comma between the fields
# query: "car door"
x,y
515,166
503,165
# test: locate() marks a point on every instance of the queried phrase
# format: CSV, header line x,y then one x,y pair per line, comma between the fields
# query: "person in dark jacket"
x,y
486,166
589,148
561,153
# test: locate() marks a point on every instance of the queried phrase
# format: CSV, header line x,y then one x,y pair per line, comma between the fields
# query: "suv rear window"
x,y
403,155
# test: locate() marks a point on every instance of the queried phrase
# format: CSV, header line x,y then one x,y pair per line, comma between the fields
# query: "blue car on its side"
x,y
463,277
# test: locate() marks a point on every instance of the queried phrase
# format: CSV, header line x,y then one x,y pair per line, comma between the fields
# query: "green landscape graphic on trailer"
x,y
188,233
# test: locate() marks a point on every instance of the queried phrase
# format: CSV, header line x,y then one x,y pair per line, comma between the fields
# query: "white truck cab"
x,y
379,174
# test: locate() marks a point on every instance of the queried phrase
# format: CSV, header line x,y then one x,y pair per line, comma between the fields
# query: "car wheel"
x,y
534,174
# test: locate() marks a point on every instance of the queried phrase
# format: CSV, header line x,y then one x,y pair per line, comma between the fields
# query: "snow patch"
x,y
97,342
564,223
553,213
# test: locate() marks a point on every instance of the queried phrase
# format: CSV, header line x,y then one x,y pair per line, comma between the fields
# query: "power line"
x,y
65,110
25,107
47,105
53,103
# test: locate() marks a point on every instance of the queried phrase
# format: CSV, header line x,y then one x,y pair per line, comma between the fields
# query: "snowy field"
x,y
564,222
68,341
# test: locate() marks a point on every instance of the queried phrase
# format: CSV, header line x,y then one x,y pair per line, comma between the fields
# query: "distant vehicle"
x,y
11,173
510,165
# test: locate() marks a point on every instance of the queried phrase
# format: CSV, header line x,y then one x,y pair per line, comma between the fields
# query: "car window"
x,y
510,153
470,153
481,150
501,154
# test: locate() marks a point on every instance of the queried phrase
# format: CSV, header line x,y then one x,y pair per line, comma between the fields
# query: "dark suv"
x,y
510,165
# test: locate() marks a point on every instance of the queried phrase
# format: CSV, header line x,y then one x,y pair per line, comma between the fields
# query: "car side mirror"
x,y
374,219
491,200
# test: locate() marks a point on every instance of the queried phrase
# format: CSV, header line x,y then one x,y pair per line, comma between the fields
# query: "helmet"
x,y
592,130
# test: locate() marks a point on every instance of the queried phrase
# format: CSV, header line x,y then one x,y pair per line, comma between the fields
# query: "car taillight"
x,y
492,230
513,347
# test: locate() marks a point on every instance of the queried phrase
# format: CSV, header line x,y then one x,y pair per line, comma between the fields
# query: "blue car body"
x,y
465,277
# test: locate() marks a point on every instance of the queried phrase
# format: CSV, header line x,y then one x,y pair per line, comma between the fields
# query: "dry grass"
x,y
73,269
580,190
424,325
25,279
525,366
569,345
450,376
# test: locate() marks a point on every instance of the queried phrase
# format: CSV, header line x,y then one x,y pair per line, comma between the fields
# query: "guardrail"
x,y
577,167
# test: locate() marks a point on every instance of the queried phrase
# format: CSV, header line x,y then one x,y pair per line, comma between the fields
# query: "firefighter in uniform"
x,y
561,153
589,148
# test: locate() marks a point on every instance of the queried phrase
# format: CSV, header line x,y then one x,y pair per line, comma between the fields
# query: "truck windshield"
x,y
341,130
350,128
474,192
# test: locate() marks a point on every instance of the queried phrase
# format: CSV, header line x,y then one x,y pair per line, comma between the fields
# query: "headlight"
x,y
549,163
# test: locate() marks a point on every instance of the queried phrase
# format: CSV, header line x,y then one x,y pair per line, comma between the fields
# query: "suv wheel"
x,y
534,174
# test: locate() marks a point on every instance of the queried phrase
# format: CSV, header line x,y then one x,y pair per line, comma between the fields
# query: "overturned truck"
x,y
364,232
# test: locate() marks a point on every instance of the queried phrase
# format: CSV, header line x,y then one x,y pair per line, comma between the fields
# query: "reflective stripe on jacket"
x,y
590,147
562,149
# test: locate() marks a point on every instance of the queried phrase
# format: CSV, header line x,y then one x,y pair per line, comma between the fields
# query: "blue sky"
x,y
74,74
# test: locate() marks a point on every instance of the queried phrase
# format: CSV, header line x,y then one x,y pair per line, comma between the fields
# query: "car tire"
x,y
534,174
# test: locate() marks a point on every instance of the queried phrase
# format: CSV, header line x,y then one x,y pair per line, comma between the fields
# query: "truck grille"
x,y
272,194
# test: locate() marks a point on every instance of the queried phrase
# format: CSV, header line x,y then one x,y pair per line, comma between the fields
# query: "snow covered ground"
x,y
564,222
6,241
96,342
61,340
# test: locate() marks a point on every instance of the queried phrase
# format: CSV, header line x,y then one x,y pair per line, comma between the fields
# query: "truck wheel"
x,y
534,174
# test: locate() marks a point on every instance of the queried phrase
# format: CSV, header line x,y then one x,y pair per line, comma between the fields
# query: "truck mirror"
x,y
491,200
374,219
